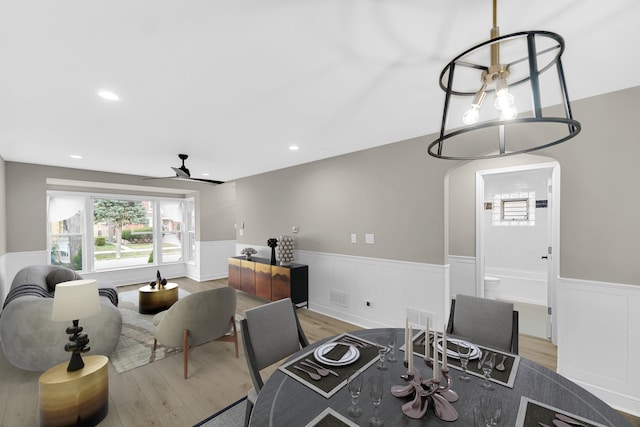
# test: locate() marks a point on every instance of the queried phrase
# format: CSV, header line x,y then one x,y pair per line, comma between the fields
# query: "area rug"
x,y
135,346
231,416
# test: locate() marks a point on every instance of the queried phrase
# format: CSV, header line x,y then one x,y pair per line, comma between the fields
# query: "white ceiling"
x,y
234,83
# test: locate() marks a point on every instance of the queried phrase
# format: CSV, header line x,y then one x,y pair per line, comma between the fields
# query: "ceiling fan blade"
x,y
159,177
181,173
210,181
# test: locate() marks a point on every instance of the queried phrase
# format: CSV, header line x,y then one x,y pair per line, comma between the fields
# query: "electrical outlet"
x,y
354,238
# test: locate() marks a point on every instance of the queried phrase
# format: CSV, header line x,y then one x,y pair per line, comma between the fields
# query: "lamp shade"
x,y
76,299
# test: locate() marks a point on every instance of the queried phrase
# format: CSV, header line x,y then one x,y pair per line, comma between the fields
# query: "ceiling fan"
x,y
183,173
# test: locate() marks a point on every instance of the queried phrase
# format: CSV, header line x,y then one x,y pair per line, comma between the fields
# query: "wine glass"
x,y
391,341
382,352
464,351
487,368
354,385
491,410
376,387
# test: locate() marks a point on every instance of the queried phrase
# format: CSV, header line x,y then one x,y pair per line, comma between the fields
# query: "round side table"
x,y
152,300
78,398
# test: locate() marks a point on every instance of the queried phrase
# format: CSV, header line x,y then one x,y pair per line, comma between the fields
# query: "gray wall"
x,y
599,169
395,192
26,186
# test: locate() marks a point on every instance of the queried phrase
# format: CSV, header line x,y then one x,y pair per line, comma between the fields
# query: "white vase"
x,y
285,249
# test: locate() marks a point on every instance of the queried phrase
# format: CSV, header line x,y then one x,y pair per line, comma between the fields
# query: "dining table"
x,y
529,394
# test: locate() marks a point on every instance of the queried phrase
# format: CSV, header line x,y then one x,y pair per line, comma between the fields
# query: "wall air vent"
x,y
339,298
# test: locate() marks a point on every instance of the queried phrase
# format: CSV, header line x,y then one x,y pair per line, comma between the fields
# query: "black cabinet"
x,y
271,282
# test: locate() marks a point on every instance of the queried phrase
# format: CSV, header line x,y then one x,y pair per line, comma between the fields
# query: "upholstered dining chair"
x,y
270,333
485,322
196,319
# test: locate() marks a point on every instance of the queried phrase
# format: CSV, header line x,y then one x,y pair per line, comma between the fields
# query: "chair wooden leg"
x,y
233,337
185,352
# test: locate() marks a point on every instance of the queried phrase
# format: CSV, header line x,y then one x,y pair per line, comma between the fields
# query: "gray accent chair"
x,y
196,319
484,322
270,333
31,340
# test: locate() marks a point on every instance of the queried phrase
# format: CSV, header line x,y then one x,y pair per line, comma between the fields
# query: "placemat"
x,y
330,418
531,413
505,378
329,385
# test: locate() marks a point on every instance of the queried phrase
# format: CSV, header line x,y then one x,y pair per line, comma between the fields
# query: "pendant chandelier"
x,y
493,104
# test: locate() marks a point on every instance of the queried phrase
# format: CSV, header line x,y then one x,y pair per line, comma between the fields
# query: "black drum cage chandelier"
x,y
479,76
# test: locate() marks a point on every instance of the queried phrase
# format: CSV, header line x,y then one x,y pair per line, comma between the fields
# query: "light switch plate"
x,y
354,238
369,239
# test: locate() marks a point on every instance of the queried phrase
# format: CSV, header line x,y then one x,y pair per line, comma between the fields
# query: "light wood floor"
x,y
157,394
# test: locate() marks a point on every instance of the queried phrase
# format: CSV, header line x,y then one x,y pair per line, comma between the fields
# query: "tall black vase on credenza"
x,y
272,243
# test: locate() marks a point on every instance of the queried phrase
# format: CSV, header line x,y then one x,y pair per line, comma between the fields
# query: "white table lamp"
x,y
76,300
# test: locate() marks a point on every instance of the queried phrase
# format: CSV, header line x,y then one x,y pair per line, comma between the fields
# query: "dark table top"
x,y
284,401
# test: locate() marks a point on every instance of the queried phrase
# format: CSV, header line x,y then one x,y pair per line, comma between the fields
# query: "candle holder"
x,y
444,390
422,390
409,375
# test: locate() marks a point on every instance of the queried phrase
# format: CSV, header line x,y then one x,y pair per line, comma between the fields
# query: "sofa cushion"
x,y
60,275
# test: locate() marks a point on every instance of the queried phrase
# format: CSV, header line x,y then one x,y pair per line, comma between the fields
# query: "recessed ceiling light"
x,y
294,148
75,156
106,94
205,173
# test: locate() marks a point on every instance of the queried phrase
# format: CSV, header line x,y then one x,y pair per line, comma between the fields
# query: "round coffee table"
x,y
152,300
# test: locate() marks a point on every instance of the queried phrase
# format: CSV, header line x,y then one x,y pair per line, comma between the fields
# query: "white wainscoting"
x,y
212,260
16,261
599,339
390,286
463,275
212,264
5,282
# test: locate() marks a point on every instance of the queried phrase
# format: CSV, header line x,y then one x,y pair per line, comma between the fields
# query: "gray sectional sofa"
x,y
31,340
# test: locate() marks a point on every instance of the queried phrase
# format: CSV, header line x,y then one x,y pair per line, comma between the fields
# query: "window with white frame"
x,y
514,209
66,218
99,232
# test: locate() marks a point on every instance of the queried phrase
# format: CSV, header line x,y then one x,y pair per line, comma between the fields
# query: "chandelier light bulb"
x,y
472,115
508,113
504,100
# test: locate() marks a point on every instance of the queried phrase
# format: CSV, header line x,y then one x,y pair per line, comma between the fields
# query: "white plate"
x,y
349,357
451,343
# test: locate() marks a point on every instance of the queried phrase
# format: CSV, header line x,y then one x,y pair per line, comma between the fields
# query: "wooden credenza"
x,y
271,282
